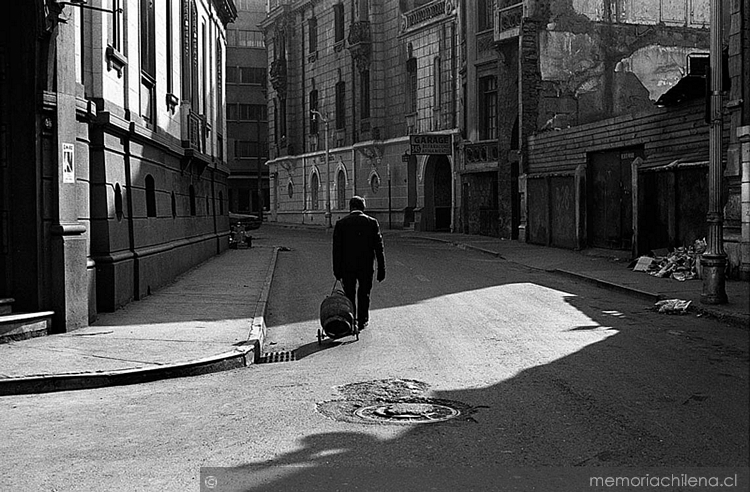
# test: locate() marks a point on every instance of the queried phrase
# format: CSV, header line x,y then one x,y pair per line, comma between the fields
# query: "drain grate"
x,y
285,356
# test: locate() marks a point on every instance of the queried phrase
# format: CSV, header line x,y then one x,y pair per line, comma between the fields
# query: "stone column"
x,y
69,282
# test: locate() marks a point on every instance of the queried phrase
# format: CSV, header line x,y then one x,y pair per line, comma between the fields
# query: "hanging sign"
x,y
68,164
431,144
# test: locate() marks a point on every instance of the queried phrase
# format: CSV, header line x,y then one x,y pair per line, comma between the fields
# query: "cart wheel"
x,y
320,338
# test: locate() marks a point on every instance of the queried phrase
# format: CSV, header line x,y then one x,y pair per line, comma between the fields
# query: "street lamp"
x,y
317,114
714,260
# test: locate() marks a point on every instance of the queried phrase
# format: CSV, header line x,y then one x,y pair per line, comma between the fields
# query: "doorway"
x,y
609,203
438,194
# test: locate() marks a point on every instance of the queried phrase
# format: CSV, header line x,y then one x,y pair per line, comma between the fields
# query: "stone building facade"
x,y
113,173
368,76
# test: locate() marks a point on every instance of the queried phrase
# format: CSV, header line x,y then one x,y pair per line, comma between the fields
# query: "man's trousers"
x,y
357,286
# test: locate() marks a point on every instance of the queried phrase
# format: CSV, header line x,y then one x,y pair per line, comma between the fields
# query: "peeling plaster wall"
x,y
605,58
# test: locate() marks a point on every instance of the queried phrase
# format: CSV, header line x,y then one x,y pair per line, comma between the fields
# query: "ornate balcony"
x,y
359,44
481,153
508,21
426,13
277,74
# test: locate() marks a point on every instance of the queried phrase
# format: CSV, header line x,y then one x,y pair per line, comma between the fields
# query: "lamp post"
x,y
317,114
714,260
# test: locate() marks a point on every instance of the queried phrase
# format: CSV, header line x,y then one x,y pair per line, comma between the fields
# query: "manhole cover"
x,y
407,412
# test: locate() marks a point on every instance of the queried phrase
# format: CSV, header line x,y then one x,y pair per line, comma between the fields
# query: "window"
x,y
365,87
247,148
437,84
170,49
485,13
191,192
411,85
290,189
488,108
150,196
280,118
240,38
312,27
148,61
114,26
247,112
375,183
252,75
221,203
338,13
341,190
314,191
208,205
313,106
118,202
174,206
340,105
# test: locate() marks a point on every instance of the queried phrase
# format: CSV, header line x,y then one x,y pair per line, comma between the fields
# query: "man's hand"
x,y
381,274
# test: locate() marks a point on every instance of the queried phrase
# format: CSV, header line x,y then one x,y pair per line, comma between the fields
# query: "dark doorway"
x,y
609,204
436,215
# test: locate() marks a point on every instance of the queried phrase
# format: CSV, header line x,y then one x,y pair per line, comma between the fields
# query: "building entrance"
x,y
438,194
609,204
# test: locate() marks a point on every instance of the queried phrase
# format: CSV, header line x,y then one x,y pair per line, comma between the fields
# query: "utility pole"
x,y
714,260
317,114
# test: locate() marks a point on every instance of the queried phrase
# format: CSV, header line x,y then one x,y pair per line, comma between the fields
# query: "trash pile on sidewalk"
x,y
672,306
681,264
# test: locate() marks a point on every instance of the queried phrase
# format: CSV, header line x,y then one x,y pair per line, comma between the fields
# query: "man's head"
x,y
357,203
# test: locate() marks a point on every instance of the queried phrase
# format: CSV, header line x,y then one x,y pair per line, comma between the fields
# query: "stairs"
x,y
20,326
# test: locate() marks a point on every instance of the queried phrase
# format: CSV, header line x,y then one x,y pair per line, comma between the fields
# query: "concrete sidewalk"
x,y
209,319
605,269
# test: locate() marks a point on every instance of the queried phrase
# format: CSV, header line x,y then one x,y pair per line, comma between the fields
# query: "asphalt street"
x,y
545,373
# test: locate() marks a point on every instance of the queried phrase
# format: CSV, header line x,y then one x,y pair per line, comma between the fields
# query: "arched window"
x,y
314,191
192,200
174,206
341,190
118,202
150,196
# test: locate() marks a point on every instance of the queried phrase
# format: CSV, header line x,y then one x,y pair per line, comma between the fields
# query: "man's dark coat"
x,y
357,243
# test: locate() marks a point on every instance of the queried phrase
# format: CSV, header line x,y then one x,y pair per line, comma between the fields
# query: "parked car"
x,y
249,222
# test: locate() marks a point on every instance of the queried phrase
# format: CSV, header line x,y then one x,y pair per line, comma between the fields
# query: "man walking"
x,y
357,243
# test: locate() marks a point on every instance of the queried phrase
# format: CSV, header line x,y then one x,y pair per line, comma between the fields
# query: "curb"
x,y
257,336
248,353
611,286
49,383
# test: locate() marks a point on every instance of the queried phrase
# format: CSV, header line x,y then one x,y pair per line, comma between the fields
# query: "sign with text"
x,y
431,144
68,163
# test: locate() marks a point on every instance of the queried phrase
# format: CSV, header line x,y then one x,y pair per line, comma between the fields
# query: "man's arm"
x,y
379,252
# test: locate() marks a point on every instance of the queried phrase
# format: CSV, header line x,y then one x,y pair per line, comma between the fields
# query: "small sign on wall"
x,y
68,164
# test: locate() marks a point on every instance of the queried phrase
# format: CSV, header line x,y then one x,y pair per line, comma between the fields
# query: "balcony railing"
x,y
359,33
508,21
425,13
277,74
481,152
359,41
